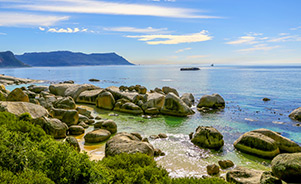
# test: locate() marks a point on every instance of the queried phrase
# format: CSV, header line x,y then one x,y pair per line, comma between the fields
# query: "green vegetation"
x,y
28,155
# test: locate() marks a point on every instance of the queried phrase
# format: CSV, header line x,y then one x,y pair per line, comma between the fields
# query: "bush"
x,y
26,177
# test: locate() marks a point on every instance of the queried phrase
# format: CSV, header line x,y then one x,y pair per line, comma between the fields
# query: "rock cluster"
x,y
207,137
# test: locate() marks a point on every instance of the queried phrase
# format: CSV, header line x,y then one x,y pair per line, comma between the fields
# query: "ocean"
x,y
242,87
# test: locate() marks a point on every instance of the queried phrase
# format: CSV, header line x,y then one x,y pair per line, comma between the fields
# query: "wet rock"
x,y
162,136
208,137
127,143
105,100
265,143
212,169
17,95
94,80
65,103
225,164
72,141
266,99
109,125
96,136
214,101
174,106
188,99
68,116
243,175
52,126
84,112
83,124
137,135
158,152
287,167
296,114
89,96
167,90
131,108
18,108
154,137
76,130
98,118
268,178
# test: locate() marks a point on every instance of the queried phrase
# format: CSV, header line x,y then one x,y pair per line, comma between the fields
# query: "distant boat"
x,y
212,64
188,69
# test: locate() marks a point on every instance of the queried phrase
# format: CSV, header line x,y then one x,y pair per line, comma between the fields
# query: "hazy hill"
x,y
8,59
67,58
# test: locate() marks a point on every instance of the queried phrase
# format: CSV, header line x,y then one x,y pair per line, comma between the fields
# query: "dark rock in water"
x,y
8,59
158,152
137,135
214,101
207,137
296,114
94,80
189,69
243,175
154,137
174,106
287,167
162,136
68,82
224,164
76,130
266,99
212,169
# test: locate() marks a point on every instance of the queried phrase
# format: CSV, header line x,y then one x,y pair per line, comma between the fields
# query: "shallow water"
x,y
242,87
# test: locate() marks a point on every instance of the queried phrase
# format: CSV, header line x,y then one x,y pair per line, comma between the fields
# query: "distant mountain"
x,y
8,59
67,58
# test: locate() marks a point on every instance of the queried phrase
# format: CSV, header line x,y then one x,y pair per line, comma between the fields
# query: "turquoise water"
x,y
242,88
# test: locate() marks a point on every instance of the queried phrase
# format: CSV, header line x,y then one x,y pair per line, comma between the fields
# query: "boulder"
x,y
243,175
65,103
96,136
162,135
268,178
225,164
141,90
84,112
266,99
52,126
265,143
68,116
207,137
296,114
167,90
83,124
127,143
154,100
121,94
188,99
105,100
59,89
287,167
174,106
47,101
152,111
72,141
131,108
137,135
212,169
76,130
18,108
213,101
89,97
38,89
82,118
17,95
109,125
73,90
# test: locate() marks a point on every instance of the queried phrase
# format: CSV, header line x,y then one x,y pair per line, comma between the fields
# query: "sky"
x,y
244,32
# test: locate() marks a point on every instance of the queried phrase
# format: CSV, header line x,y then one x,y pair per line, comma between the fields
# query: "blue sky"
x,y
158,31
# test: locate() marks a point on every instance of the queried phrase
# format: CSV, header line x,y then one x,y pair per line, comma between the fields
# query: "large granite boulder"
x,y
52,126
207,137
96,136
73,90
115,91
287,167
174,106
18,108
131,108
76,130
89,97
188,99
38,89
47,101
68,116
265,143
167,90
105,100
109,125
213,101
154,100
65,103
127,143
241,175
17,95
296,114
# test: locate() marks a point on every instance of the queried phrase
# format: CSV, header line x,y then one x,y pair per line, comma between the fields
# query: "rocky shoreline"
x,y
54,109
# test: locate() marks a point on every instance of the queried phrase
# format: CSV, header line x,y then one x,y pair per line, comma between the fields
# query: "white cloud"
x,y
182,50
197,56
243,40
105,7
136,30
260,47
41,28
26,19
295,28
3,33
174,39
65,30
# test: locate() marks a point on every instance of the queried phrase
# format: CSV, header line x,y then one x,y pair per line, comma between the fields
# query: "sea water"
x,y
242,87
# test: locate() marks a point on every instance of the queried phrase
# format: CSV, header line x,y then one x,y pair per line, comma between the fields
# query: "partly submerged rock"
x,y
225,164
207,137
131,108
213,101
96,136
296,114
167,90
212,169
174,106
188,98
127,143
76,130
287,167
